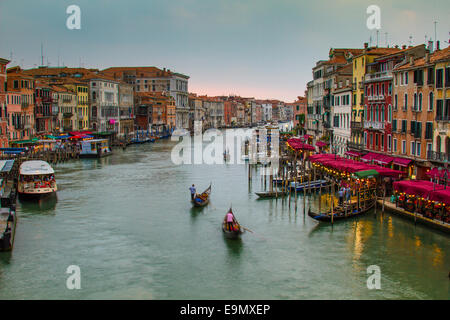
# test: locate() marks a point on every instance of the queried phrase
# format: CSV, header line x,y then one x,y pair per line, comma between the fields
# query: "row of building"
x,y
121,100
391,102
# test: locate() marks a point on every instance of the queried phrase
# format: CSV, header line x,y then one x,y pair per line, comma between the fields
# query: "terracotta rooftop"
x,y
437,56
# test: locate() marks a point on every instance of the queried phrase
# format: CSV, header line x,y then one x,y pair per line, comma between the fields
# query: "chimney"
x,y
403,47
366,45
430,46
427,57
396,46
437,45
411,60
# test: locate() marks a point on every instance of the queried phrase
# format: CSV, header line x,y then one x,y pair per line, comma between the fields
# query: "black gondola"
x,y
201,200
237,229
340,214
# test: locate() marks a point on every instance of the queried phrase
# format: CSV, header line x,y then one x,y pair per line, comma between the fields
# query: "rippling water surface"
x,y
127,222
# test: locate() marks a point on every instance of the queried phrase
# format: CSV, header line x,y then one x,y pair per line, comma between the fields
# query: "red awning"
x,y
402,161
353,153
321,144
436,173
369,157
422,188
297,144
441,196
383,159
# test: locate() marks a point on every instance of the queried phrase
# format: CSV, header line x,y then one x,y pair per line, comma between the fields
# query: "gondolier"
x,y
193,191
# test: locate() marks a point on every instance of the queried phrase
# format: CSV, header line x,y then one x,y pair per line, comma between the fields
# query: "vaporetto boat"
x,y
36,180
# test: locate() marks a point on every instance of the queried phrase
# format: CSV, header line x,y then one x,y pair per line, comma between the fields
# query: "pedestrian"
x,y
341,196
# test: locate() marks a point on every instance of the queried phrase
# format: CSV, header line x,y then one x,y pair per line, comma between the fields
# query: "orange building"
x,y
20,86
3,105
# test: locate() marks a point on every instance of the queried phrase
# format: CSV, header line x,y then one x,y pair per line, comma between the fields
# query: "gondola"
x,y
339,213
201,200
237,228
271,194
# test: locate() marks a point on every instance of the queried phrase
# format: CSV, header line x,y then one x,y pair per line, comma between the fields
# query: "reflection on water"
x,y
45,205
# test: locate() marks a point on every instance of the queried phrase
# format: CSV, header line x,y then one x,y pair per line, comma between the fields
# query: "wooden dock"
x,y
416,217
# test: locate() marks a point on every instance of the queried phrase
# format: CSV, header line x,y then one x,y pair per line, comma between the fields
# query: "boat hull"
x,y
271,194
7,237
200,204
95,156
36,196
326,217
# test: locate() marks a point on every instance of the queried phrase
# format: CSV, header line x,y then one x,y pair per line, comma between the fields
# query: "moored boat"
x,y
271,194
235,230
95,148
7,228
201,200
36,179
343,212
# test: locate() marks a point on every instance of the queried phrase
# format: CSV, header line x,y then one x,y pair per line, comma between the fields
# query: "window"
x,y
389,140
390,88
429,149
404,123
394,125
430,101
403,146
420,101
413,148
429,130
430,75
395,102
418,145
405,106
447,77
439,76
418,132
395,145
390,113
406,77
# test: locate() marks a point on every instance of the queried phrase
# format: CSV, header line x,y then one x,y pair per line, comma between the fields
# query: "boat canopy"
x,y
35,167
6,165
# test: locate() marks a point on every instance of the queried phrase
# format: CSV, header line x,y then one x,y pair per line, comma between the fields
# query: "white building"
x,y
341,118
104,104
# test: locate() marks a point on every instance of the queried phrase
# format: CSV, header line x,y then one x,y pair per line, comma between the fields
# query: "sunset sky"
x,y
253,48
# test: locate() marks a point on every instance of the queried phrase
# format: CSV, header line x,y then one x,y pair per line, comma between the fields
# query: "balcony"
x,y
442,117
377,125
357,125
378,76
361,85
67,114
354,145
438,156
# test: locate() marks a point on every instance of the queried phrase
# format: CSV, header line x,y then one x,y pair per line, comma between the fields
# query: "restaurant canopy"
x,y
321,144
421,188
441,196
297,144
438,173
348,165
353,153
369,157
366,174
402,162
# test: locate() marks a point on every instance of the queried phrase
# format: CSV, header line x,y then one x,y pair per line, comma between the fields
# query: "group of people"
x,y
344,192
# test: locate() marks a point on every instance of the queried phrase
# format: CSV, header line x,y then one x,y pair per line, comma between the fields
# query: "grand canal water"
x,y
127,222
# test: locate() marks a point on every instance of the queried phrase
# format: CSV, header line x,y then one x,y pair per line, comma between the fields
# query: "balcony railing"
x,y
442,117
377,76
358,125
354,145
438,156
378,125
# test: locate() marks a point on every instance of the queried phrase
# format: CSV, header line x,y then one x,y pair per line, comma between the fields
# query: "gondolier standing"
x,y
193,192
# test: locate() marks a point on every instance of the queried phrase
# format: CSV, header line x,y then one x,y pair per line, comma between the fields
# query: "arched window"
x,y
390,113
376,114
365,110
382,113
